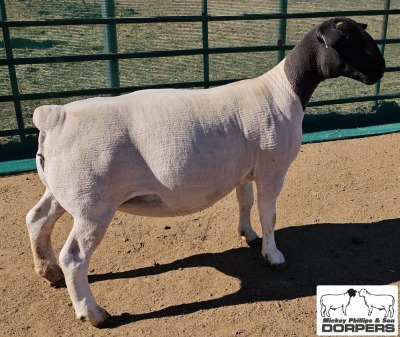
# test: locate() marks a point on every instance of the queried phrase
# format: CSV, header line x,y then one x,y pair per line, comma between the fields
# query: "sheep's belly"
x,y
147,205
152,205
184,202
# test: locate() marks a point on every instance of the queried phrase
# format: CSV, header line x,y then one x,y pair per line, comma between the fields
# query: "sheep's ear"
x,y
328,35
363,25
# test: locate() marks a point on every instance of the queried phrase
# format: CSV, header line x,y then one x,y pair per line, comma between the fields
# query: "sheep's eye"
x,y
346,38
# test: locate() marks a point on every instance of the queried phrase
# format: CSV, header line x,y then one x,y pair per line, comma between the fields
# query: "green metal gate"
x,y
55,52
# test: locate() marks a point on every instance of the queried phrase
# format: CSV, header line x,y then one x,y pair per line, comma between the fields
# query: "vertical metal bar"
x,y
12,72
110,43
206,56
382,47
283,4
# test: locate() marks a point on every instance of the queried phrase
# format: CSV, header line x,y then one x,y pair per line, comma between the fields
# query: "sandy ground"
x,y
338,223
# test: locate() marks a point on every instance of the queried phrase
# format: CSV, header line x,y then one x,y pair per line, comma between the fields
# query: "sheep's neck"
x,y
302,71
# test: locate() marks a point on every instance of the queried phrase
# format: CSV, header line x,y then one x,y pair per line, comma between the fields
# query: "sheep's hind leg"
x,y
387,310
323,310
391,311
244,194
86,234
267,193
40,221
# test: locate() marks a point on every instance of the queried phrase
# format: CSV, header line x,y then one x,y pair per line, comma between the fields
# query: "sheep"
x,y
171,152
381,302
336,301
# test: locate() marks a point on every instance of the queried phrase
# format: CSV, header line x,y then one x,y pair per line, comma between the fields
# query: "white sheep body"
x,y
189,147
174,152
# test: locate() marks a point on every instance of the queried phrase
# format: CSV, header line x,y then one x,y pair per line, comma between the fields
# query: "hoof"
x,y
53,274
58,284
279,266
105,323
256,243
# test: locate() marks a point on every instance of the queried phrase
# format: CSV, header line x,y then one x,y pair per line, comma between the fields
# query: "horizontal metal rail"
x,y
152,54
27,131
354,99
141,54
126,89
193,18
105,91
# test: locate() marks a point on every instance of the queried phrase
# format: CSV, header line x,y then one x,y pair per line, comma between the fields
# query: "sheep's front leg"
x,y
40,221
369,310
244,194
85,236
267,193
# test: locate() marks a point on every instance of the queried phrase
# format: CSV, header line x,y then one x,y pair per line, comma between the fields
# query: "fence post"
x,y
283,4
12,72
110,43
206,56
382,47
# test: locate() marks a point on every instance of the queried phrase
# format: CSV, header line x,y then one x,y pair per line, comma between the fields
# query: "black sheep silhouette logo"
x,y
336,301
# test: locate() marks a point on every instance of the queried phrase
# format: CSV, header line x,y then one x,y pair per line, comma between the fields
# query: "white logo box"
x,y
357,310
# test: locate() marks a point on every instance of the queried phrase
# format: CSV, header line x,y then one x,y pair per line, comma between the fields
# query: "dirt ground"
x,y
338,223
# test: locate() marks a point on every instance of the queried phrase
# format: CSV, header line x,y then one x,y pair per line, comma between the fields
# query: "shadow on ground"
x,y
32,44
342,254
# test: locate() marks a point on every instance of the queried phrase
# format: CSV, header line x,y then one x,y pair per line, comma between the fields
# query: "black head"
x,y
346,49
352,292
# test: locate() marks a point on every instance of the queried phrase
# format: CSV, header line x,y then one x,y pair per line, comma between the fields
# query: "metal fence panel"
x,y
55,52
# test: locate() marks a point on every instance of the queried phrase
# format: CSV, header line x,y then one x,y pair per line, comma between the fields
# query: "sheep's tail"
x,y
391,308
322,308
46,118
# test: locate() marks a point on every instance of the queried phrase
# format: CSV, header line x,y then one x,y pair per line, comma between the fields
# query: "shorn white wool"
x,y
161,153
